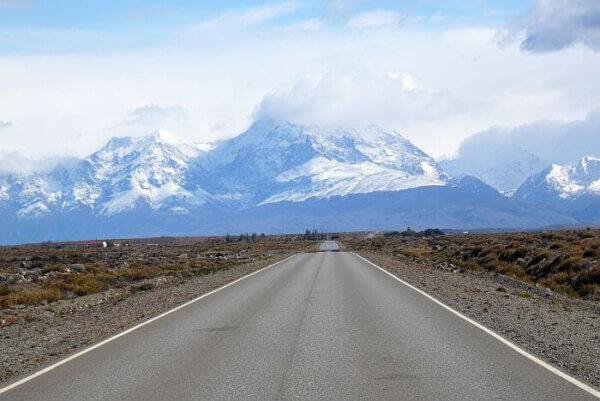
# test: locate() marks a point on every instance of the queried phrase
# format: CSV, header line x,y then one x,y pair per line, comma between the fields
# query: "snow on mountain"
x,y
506,157
573,187
151,169
278,161
124,173
270,162
276,176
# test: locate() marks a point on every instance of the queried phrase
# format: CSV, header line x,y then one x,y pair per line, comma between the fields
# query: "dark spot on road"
x,y
218,328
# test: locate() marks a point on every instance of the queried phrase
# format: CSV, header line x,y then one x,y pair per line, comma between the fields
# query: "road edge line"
x,y
492,333
131,329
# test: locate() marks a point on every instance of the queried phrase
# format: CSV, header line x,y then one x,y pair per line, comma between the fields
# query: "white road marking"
x,y
101,343
492,333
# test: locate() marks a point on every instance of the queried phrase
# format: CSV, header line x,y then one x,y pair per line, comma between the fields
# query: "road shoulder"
x,y
76,324
553,327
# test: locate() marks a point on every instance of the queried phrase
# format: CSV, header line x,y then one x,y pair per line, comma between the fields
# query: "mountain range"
x,y
274,177
505,157
573,188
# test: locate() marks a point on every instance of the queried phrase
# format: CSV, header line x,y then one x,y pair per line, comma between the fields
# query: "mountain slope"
x,y
467,203
506,157
274,177
573,187
277,161
125,173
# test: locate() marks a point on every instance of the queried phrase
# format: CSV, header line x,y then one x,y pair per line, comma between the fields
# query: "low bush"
x,y
30,297
142,287
512,254
90,285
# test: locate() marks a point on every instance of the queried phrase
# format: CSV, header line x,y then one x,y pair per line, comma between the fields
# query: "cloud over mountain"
x,y
505,157
344,98
555,24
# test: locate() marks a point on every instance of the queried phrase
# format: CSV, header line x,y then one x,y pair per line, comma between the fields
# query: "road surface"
x,y
319,326
329,246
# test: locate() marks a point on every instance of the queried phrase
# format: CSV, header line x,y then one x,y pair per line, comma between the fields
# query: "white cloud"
x,y
377,19
5,124
19,163
552,25
356,98
237,20
514,153
311,24
153,115
434,86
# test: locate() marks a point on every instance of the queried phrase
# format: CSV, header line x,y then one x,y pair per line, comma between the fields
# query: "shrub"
x,y
141,273
512,254
472,265
508,269
554,236
31,297
142,287
408,233
590,289
5,290
587,234
414,252
589,253
490,259
590,276
561,277
431,232
572,263
538,258
89,286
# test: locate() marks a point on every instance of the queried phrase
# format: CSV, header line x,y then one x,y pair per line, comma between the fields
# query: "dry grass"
x,y
566,261
30,297
32,275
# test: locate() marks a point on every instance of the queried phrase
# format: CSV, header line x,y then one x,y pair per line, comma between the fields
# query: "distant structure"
x,y
92,244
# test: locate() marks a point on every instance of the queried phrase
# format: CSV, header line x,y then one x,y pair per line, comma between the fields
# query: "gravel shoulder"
x,y
558,329
43,334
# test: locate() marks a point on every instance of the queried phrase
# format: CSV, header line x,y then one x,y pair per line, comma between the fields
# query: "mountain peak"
x,y
563,182
166,137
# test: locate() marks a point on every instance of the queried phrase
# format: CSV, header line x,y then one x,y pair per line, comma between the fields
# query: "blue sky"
x,y
72,26
75,73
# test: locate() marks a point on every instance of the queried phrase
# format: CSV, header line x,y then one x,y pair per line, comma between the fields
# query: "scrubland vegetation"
x,y
34,275
565,261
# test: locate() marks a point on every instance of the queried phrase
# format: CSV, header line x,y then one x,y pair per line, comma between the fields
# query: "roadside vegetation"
x,y
45,273
565,261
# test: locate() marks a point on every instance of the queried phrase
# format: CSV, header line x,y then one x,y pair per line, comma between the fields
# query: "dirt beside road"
x,y
550,325
34,335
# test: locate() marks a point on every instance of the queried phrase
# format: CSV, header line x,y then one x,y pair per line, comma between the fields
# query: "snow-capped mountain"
x,y
154,170
277,176
572,187
124,173
277,161
505,157
270,162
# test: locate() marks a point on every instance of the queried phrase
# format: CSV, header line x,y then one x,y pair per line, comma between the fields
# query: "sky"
x,y
74,74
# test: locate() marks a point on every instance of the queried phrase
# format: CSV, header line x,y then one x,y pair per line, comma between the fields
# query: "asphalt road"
x,y
320,326
329,246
